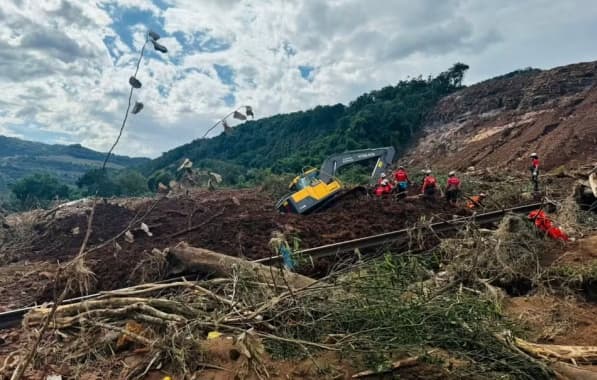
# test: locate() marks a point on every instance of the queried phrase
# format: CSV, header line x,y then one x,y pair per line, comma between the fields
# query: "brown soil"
x,y
20,284
555,320
499,122
233,222
581,252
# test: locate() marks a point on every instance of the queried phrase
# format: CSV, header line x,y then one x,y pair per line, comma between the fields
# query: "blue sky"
x,y
64,64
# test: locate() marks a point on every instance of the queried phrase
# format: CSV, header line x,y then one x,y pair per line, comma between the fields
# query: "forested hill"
x,y
286,143
20,158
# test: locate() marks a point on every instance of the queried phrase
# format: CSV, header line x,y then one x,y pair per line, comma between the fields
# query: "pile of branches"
x,y
371,309
167,321
509,257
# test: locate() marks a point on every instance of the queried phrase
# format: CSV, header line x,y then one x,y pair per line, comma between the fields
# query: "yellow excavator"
x,y
316,189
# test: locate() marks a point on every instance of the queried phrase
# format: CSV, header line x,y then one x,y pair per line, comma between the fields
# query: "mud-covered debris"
x,y
128,237
145,229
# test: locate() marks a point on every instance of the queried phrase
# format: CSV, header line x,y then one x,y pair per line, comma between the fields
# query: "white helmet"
x,y
383,175
534,155
452,173
428,171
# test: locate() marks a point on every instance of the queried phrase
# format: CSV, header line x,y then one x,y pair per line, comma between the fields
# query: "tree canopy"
x,y
39,189
393,116
108,183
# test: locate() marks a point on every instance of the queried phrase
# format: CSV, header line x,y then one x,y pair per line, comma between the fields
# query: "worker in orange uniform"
x,y
476,201
452,188
401,178
544,223
383,185
534,168
429,186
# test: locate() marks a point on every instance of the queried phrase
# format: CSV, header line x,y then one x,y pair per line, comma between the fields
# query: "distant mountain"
x,y
20,158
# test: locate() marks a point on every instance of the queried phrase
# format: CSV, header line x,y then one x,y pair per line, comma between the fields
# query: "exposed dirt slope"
x,y
499,122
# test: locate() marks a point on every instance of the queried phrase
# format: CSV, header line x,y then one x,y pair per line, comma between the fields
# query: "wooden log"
x,y
184,258
573,354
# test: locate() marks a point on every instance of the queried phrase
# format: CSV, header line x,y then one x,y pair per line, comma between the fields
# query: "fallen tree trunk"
x,y
184,258
573,354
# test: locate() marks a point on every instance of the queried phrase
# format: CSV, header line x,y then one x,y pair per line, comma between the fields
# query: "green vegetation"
x,y
390,308
108,183
38,190
41,189
393,116
20,158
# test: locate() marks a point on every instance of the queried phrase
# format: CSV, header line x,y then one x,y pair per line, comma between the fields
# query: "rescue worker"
x,y
401,178
544,223
383,185
476,201
429,185
534,168
452,188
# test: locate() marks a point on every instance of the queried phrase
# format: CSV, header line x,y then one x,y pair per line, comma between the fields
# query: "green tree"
x,y
131,183
38,190
98,181
109,183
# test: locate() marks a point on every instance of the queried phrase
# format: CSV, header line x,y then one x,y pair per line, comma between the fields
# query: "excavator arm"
x,y
331,165
314,190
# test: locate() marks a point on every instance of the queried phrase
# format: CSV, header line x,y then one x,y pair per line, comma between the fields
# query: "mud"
x,y
555,320
233,222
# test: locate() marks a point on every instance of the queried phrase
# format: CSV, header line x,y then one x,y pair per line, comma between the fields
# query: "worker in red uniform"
x,y
476,201
452,188
401,178
544,223
429,186
383,186
534,168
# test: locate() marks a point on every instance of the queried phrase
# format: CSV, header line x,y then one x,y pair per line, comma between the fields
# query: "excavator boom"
x,y
330,166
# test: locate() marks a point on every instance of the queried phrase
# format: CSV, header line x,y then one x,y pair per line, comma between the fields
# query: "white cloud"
x,y
64,64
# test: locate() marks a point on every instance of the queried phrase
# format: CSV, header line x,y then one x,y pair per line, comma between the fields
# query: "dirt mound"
x,y
499,122
233,222
555,320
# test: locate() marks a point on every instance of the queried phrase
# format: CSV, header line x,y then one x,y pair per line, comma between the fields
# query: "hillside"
x,y
499,122
19,158
286,143
495,123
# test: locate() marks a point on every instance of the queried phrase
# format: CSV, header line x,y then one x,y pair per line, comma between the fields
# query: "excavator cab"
x,y
315,189
310,175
